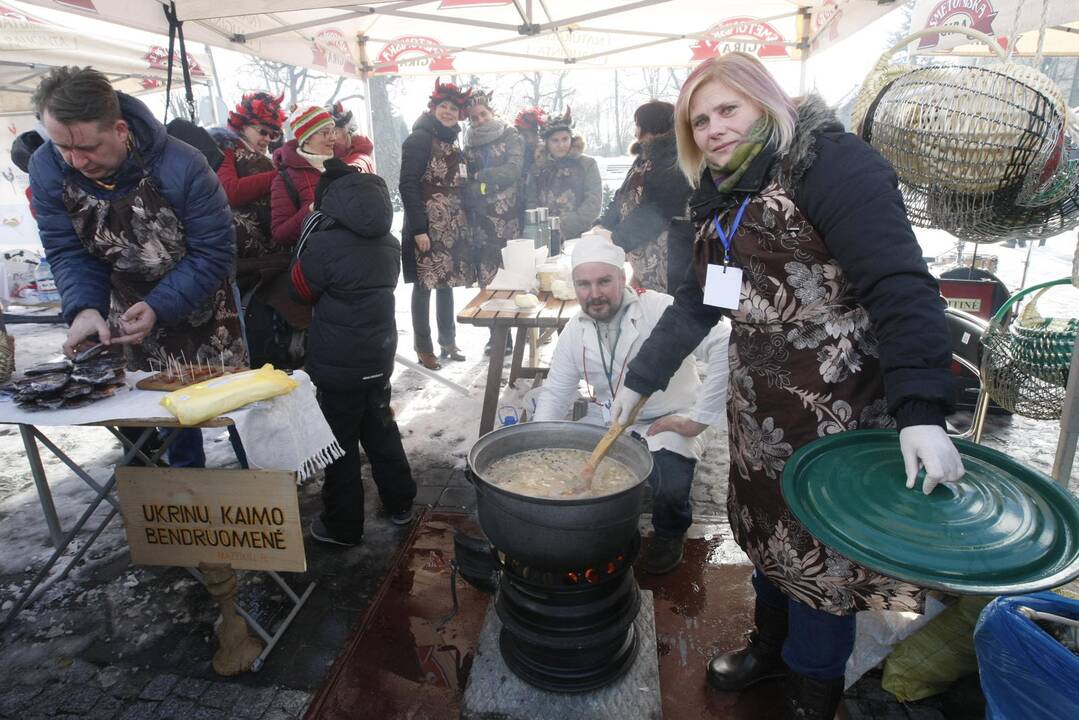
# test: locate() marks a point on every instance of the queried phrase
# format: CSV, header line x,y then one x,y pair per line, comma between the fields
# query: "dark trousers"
x,y
421,318
818,643
671,479
363,417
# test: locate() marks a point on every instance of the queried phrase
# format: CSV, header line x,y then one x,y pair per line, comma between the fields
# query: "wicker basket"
x,y
1026,363
982,152
7,356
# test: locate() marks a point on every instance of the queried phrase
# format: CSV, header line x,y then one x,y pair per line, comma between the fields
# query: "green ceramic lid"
x,y
1002,529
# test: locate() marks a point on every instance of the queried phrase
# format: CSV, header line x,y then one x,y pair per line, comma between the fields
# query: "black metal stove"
x,y
570,630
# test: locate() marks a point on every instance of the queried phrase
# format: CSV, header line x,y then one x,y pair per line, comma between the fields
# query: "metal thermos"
x,y
531,228
554,243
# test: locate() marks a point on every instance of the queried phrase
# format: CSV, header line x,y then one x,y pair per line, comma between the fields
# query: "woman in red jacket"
x,y
247,172
300,163
353,149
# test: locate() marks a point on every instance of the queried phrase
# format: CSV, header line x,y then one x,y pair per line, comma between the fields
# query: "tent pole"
x,y
365,73
216,82
803,44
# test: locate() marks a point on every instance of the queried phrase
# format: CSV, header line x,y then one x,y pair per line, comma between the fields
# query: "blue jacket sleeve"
x,y
194,191
82,279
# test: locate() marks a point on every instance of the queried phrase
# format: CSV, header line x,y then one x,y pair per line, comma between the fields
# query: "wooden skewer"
x,y
605,443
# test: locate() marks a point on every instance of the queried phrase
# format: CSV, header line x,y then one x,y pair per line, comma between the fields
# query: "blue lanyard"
x,y
726,237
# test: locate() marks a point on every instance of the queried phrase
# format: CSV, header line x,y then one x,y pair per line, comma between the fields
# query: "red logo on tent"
x,y
741,33
151,83
330,49
79,4
974,14
158,59
414,50
471,3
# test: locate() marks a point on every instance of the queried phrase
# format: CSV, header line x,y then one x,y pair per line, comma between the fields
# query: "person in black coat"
x,y
647,215
346,266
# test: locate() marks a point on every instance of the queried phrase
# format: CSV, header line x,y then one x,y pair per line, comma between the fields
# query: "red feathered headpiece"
x,y
452,93
258,108
532,118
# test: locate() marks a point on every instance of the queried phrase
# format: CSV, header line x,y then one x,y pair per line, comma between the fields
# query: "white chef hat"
x,y
593,248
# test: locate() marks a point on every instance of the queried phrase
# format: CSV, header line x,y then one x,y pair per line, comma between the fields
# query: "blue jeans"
x,y
818,643
186,451
421,318
671,478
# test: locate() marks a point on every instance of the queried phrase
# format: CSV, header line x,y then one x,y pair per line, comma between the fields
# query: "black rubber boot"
x,y
808,699
760,660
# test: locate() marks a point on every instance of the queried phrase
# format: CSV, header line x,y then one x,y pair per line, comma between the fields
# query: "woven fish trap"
x,y
1026,362
968,130
1052,207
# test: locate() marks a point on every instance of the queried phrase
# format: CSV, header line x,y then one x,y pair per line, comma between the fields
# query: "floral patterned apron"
x,y
142,240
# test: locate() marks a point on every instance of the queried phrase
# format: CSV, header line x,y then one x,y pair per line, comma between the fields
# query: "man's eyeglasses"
x,y
267,133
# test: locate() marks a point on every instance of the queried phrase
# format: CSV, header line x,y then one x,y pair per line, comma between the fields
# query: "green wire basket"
x,y
1026,360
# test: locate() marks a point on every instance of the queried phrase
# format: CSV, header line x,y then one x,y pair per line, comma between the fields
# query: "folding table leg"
x,y
518,356
102,495
41,482
494,378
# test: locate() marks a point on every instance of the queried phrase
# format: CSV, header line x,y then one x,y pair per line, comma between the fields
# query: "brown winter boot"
x,y
808,699
760,660
429,361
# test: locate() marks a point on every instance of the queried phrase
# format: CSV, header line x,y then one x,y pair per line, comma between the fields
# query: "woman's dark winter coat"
x,y
349,272
188,184
661,205
839,326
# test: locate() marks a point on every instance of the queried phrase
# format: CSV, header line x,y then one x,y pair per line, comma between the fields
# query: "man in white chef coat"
x,y
597,345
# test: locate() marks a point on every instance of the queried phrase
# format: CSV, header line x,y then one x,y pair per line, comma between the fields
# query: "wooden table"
x,y
553,314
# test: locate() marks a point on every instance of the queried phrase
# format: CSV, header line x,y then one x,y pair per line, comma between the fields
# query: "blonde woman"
x,y
836,324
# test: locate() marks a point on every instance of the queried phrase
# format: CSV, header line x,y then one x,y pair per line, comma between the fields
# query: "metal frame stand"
x,y
31,435
268,638
60,541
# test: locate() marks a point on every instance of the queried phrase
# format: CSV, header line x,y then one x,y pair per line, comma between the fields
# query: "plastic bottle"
x,y
46,285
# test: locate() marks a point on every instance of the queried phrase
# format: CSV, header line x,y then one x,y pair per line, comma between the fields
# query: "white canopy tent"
x,y
30,45
410,37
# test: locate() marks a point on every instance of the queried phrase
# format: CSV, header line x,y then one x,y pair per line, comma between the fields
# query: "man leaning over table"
x,y
596,346
138,232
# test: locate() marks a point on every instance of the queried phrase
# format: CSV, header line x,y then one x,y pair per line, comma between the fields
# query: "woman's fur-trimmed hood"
x,y
814,117
657,145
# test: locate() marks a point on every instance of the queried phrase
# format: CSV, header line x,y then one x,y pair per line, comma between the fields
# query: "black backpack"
x,y
198,138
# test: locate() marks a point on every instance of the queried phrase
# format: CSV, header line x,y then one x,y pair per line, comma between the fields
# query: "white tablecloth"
x,y
288,432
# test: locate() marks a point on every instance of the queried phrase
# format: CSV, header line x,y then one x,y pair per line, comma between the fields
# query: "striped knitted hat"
x,y
306,121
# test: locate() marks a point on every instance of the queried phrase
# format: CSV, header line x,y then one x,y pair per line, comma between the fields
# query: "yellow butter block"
x,y
208,399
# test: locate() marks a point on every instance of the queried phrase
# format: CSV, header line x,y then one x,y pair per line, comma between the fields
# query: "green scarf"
x,y
727,175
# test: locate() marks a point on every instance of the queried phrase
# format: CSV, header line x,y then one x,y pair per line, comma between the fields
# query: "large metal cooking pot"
x,y
557,533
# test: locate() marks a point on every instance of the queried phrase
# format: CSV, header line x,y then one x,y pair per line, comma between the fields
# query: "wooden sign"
x,y
249,519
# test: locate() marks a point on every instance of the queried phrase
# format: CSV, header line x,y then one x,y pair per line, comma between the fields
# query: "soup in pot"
x,y
556,472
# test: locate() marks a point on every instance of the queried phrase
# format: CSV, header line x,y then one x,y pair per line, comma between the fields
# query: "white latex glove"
x,y
623,405
930,447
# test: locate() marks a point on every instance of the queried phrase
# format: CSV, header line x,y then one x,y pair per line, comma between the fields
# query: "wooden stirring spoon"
x,y
605,443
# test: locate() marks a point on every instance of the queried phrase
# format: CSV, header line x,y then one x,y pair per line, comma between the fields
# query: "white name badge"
x,y
605,411
723,286
462,170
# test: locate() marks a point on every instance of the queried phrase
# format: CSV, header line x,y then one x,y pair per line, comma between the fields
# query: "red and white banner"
x,y
995,18
413,51
745,34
